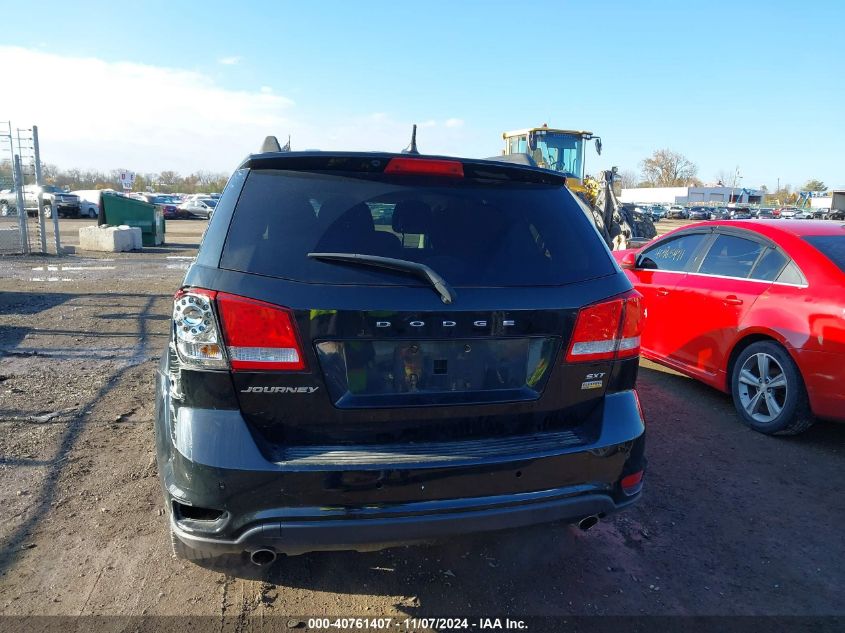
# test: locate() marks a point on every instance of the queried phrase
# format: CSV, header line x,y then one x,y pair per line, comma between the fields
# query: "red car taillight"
x,y
218,330
608,330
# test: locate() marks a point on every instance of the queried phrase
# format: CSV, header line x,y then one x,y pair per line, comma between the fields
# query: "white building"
x,y
684,195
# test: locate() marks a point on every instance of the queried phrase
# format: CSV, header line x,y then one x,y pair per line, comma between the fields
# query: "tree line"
x,y
161,182
667,168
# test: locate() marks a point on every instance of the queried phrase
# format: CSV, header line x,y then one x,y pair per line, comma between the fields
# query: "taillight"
x,y
632,484
259,335
198,340
607,330
425,167
633,319
218,330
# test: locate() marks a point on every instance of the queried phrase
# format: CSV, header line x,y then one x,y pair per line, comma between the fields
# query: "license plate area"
x,y
395,373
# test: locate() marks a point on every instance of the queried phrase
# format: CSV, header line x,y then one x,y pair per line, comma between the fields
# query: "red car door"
x,y
659,270
736,271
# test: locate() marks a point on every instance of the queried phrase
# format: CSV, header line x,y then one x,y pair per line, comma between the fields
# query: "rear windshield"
x,y
833,247
472,233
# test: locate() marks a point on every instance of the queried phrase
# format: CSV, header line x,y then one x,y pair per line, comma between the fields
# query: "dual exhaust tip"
x,y
263,557
588,522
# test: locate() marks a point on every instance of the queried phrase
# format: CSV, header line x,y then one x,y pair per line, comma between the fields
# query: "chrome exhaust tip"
x,y
262,557
587,522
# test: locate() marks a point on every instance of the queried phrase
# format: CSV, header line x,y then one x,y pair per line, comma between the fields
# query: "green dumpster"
x,y
117,210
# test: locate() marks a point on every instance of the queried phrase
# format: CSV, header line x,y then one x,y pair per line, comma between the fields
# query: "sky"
x,y
189,86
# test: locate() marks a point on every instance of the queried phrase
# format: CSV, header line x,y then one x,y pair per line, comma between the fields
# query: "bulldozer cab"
x,y
560,150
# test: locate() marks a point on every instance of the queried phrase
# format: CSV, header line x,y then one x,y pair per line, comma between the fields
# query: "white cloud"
x,y
134,115
150,118
454,122
230,61
382,132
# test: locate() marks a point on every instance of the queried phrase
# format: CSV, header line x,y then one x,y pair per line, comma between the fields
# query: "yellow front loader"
x,y
564,151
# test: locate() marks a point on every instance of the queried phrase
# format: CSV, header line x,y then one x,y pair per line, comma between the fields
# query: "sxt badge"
x,y
593,381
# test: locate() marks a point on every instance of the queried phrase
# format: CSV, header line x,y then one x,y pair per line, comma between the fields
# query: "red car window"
x,y
731,256
769,266
832,246
672,254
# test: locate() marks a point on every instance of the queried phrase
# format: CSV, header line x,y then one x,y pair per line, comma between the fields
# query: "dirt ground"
x,y
731,523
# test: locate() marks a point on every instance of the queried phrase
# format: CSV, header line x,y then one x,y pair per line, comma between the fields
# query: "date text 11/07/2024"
x,y
417,624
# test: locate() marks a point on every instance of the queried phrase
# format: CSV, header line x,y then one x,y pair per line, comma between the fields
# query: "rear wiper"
x,y
447,295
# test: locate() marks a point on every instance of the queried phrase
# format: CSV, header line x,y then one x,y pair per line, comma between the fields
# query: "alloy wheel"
x,y
762,387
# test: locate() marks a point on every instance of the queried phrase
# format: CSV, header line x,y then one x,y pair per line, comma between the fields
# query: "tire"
x,y
183,552
48,211
782,407
4,209
91,213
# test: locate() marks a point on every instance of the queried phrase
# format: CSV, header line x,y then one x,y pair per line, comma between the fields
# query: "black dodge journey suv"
x,y
375,349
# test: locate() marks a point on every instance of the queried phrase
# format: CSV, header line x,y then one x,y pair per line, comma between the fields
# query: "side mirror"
x,y
629,261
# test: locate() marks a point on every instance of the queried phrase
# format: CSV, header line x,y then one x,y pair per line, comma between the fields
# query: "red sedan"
x,y
755,308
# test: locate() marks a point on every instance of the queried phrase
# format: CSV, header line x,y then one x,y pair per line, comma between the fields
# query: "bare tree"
x,y
666,168
629,179
726,177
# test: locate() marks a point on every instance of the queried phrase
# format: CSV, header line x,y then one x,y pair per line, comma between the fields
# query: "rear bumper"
x,y
325,499
824,373
297,537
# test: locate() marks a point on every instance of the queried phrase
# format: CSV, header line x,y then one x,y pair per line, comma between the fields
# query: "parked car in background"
x,y
198,207
761,306
89,201
677,212
346,370
765,213
54,199
699,213
788,212
836,214
804,214
720,213
169,204
657,212
740,213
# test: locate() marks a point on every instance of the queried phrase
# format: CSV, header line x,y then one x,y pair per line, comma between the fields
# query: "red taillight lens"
x,y
259,335
596,332
607,330
425,167
633,483
632,326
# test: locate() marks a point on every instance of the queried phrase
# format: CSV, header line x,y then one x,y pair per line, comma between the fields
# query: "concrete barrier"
x,y
110,239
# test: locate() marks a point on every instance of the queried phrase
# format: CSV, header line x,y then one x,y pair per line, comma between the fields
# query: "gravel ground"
x,y
732,522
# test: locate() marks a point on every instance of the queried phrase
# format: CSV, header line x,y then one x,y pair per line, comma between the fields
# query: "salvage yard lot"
x,y
732,522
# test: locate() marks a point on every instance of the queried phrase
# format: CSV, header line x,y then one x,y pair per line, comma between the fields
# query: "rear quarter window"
x,y
471,232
